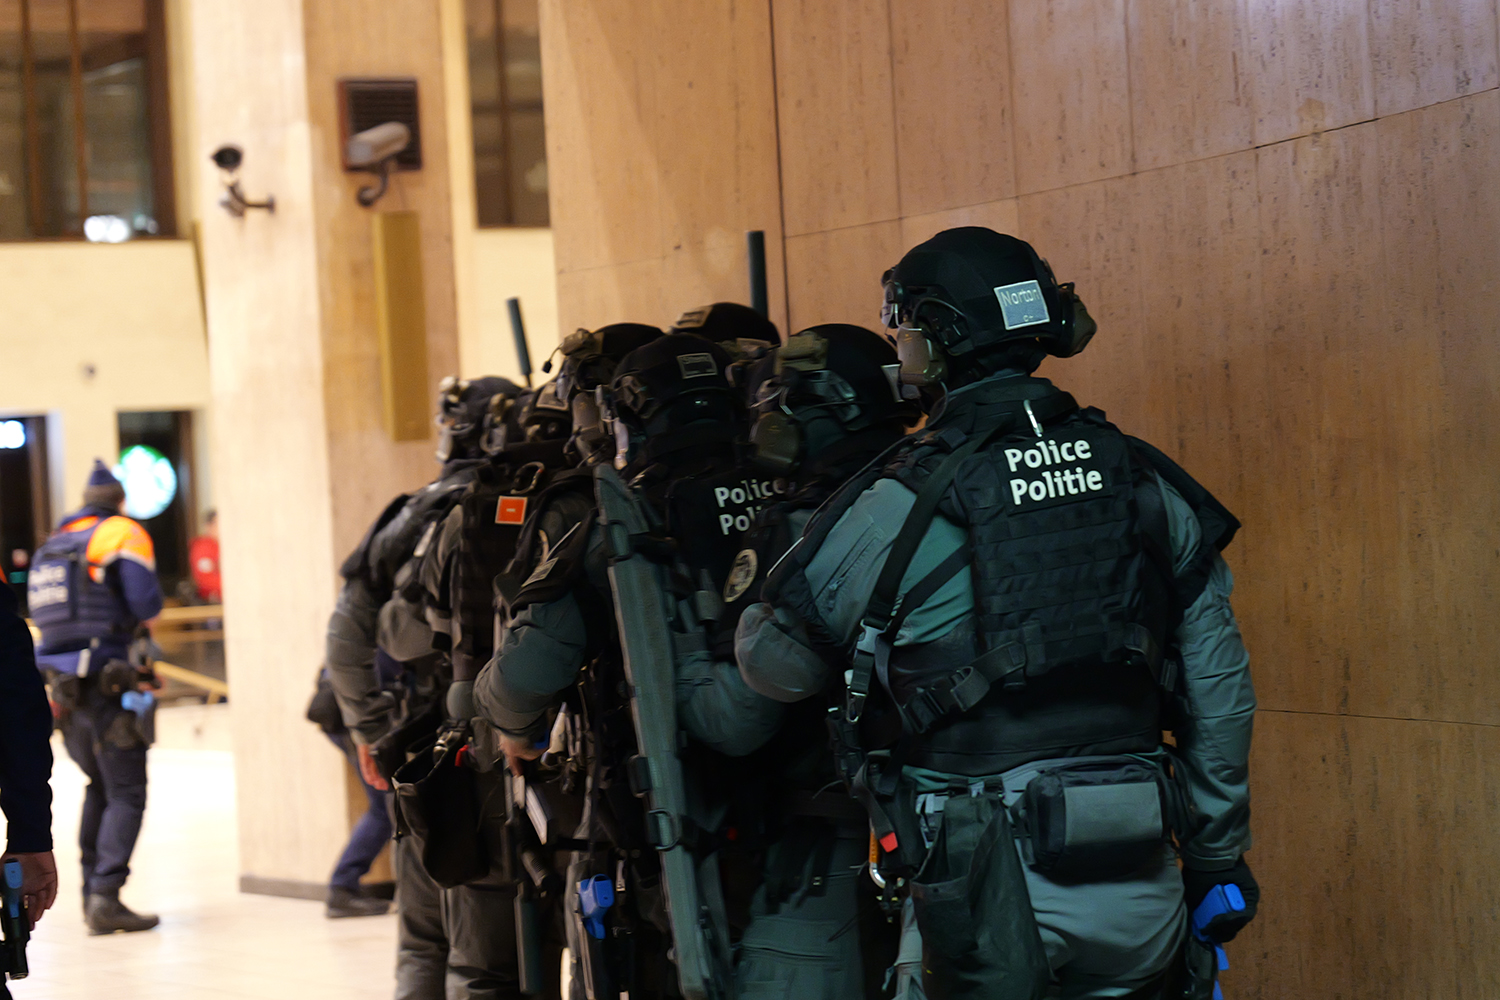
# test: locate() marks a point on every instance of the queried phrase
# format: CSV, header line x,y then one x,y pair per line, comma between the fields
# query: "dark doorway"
x,y
25,508
169,434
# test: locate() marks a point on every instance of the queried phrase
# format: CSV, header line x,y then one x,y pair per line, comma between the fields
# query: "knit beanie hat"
x,y
102,489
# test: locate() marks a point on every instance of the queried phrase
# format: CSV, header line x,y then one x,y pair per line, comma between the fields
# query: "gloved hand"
x,y
1197,884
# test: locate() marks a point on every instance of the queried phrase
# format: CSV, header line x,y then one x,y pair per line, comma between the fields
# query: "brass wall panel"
x,y
1070,74
837,119
1432,51
1375,851
1189,80
834,277
1309,66
951,61
401,324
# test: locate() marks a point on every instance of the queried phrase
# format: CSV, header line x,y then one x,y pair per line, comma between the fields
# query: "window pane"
x,y
116,153
13,224
505,82
58,177
112,34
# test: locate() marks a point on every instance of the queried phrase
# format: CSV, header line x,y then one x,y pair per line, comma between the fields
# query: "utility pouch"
x,y
979,934
437,802
117,677
63,690
1098,820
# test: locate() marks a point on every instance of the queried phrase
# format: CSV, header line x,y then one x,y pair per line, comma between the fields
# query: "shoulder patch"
x,y
510,510
741,575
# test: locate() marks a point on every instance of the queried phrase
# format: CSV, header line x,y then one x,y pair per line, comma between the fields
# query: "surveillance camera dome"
x,y
228,157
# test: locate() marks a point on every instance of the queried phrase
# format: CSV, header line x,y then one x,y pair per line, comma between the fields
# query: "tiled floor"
x,y
213,942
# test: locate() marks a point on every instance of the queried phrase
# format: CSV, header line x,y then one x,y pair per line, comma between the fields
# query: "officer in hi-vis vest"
x,y
1012,608
93,594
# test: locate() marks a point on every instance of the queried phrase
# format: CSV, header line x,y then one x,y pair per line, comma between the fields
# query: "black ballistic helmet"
x,y
463,405
723,322
838,371
590,356
964,293
589,361
543,413
672,382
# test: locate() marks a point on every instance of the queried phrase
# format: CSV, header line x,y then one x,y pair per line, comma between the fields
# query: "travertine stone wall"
x,y
1284,216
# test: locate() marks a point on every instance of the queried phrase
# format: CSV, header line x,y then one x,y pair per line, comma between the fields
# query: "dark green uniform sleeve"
x,y
545,642
349,654
1213,741
539,656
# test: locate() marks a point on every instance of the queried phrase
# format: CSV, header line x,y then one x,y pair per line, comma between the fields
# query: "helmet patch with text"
x,y
1022,304
697,365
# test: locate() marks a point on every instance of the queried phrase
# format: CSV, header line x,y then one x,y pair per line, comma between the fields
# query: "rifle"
x,y
14,925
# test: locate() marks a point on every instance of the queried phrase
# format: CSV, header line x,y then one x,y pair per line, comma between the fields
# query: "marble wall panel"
x,y
1309,66
1375,851
1433,51
1001,216
834,277
1190,88
1440,216
834,105
1070,73
1326,445
951,60
600,86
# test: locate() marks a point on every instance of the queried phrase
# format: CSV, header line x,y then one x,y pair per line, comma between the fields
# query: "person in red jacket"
x,y
203,555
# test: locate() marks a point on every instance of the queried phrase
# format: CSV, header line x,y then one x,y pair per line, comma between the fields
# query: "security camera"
x,y
374,150
372,146
228,158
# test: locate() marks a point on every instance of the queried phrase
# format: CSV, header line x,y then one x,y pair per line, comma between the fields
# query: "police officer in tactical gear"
x,y
458,937
93,593
676,424
531,444
1012,607
828,404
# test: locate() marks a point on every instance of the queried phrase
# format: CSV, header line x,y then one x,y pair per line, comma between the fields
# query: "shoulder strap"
x,y
878,614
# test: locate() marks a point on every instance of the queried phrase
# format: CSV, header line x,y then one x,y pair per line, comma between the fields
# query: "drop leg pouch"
x,y
979,935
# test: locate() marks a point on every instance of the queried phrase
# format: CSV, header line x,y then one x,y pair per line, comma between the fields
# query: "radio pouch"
x,y
1096,820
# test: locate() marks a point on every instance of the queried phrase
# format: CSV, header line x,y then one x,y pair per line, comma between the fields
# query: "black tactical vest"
x,y
494,509
1075,600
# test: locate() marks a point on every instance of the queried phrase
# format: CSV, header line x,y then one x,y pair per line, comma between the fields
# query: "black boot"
x,y
345,903
105,914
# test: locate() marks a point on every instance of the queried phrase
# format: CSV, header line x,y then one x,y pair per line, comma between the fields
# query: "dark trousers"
x,y
369,834
103,741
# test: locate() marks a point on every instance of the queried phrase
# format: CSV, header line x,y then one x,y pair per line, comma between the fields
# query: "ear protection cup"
x,y
922,363
777,441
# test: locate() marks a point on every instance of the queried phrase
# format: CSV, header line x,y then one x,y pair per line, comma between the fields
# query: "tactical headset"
x,y
970,289
803,374
463,405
